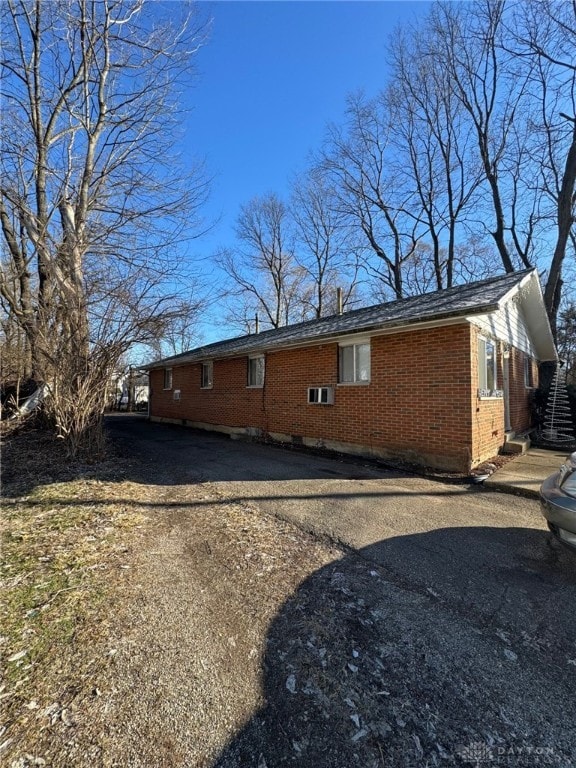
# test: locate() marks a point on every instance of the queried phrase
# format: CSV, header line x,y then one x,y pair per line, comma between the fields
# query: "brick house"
x,y
442,379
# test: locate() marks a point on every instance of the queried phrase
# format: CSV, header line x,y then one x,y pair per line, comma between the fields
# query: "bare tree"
x,y
512,67
264,268
16,360
545,32
433,138
473,140
93,212
493,89
567,340
470,260
372,195
181,332
327,252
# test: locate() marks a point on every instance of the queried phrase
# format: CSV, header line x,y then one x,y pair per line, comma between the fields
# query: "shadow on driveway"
x,y
446,633
360,671
448,626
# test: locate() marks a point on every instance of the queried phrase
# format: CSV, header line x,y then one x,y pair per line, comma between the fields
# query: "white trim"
x,y
355,368
533,312
351,340
211,364
353,384
483,367
256,357
516,288
529,363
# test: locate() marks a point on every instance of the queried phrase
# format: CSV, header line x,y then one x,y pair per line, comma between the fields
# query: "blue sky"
x,y
271,77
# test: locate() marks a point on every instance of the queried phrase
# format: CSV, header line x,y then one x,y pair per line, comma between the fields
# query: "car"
x,y
558,502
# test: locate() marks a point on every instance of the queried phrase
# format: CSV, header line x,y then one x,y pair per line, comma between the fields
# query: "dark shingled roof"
x,y
461,300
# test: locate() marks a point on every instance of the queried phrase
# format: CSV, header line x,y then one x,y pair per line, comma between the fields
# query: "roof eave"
x,y
536,318
197,355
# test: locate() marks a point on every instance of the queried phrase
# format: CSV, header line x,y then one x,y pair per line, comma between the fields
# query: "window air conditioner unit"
x,y
321,395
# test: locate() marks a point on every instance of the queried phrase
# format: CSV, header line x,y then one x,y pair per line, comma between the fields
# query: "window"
x,y
256,371
167,378
487,383
354,363
207,375
528,377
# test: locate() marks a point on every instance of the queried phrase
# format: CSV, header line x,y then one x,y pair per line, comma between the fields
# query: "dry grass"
x,y
65,542
73,538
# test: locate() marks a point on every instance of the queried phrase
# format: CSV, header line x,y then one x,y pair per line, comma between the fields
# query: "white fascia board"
x,y
528,295
530,277
533,309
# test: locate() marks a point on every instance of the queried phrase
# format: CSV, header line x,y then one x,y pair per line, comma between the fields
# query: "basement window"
x,y
256,371
207,375
167,378
354,363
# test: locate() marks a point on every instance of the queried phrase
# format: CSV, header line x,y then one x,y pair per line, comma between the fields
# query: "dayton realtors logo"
x,y
476,753
479,753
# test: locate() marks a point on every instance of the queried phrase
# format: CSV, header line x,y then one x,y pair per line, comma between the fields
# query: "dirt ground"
x,y
234,637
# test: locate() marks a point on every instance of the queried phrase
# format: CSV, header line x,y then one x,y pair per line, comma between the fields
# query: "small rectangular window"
x,y
207,375
256,371
354,363
487,377
167,378
528,377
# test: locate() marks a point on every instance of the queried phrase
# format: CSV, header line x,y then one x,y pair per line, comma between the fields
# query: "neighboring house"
x,y
130,390
438,379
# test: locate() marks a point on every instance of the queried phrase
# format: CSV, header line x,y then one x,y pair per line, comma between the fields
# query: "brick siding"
x,y
418,404
421,404
488,421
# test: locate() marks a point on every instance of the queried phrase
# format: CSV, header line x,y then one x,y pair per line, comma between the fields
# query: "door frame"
x,y
506,388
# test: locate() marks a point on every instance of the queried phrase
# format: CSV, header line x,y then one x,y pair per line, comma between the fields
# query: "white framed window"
x,y
487,368
167,378
528,373
354,363
256,369
207,376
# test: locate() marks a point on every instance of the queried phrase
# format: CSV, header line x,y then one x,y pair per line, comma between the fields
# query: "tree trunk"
x,y
552,292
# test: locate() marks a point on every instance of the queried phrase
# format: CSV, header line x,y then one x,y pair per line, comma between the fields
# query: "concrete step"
x,y
515,444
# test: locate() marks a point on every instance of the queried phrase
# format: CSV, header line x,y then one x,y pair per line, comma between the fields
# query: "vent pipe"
x,y
339,302
257,323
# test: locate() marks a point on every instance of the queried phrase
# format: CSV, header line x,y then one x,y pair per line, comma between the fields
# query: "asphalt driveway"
x,y
475,599
481,552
